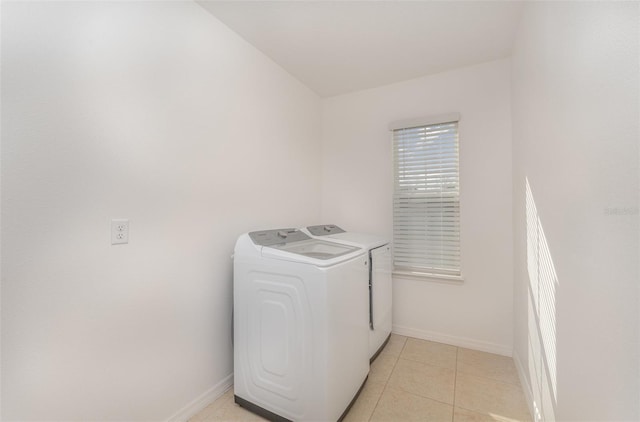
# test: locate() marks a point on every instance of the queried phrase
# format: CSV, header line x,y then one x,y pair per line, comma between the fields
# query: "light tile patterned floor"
x,y
418,380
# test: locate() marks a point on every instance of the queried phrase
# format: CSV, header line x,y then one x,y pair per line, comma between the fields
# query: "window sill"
x,y
437,278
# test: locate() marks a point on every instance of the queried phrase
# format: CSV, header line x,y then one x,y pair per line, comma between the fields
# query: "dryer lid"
x,y
324,229
333,232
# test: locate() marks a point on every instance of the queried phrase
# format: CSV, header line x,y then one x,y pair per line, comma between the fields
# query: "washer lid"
x,y
313,252
277,236
317,249
296,246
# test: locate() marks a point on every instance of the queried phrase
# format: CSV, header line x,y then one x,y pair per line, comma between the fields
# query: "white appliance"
x,y
300,325
379,278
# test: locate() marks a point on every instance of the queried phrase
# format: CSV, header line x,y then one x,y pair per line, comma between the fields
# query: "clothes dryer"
x,y
379,278
300,325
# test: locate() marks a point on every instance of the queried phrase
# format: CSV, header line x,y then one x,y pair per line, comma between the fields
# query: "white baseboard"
x,y
524,382
483,346
202,401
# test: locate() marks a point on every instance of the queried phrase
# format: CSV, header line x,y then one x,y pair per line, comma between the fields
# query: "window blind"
x,y
426,200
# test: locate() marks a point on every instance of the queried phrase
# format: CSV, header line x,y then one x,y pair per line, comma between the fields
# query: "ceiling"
x,y
335,47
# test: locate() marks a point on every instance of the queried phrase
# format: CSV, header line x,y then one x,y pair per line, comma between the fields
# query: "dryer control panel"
x,y
277,236
324,229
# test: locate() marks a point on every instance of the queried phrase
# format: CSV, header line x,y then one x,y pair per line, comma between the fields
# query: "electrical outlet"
x,y
119,231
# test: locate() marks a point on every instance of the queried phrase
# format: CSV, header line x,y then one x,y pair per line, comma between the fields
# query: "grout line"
x,y
430,364
455,385
387,380
482,377
455,382
414,394
424,397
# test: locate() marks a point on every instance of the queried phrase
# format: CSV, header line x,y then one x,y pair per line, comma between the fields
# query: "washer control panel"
x,y
277,236
324,229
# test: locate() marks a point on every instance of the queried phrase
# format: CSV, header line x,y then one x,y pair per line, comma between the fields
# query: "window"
x,y
426,197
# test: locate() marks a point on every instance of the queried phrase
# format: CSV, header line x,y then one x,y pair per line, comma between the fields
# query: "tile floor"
x,y
418,380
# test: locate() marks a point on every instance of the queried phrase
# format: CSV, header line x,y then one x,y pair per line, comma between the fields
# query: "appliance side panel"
x,y
381,296
274,349
348,332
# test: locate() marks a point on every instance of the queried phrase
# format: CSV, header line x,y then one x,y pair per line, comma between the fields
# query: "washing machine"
x,y
300,325
379,279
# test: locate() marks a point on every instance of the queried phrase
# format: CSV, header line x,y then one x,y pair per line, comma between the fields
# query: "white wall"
x,y
357,186
575,105
156,112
